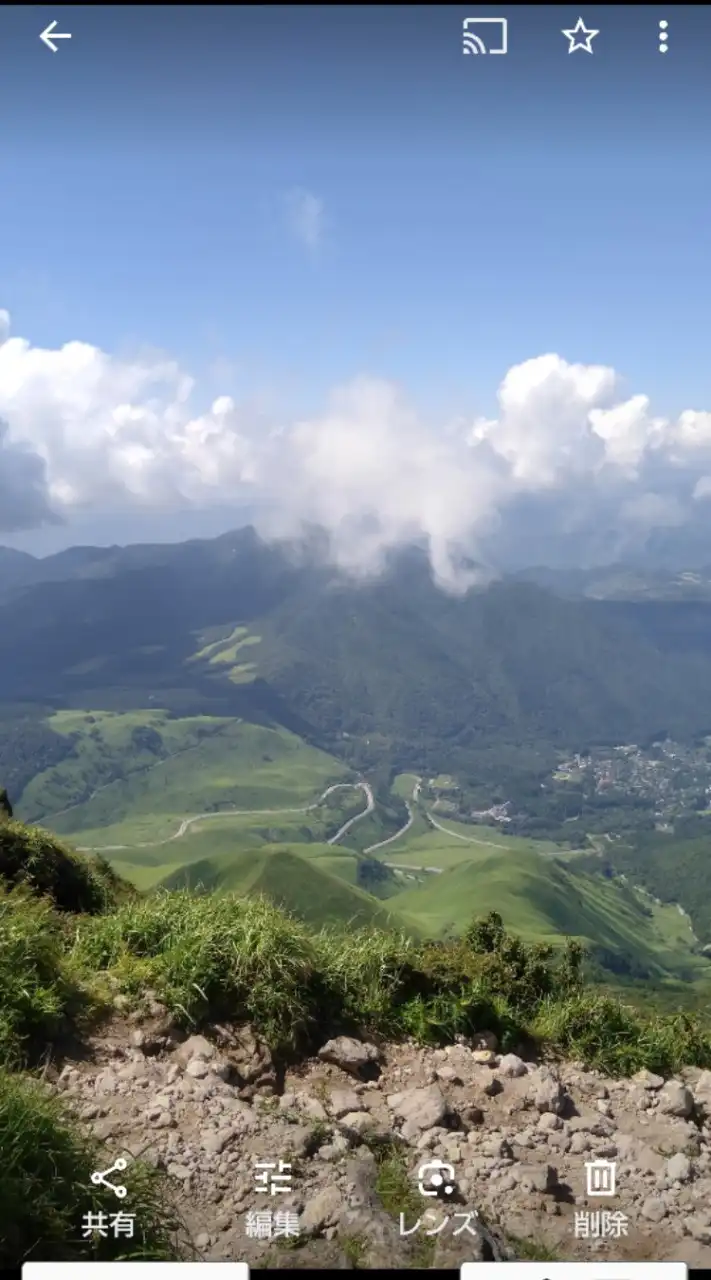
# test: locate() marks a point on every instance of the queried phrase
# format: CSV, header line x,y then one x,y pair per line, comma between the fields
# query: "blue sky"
x,y
286,198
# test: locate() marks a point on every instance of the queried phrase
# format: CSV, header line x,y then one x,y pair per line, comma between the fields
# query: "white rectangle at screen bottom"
x,y
135,1271
574,1271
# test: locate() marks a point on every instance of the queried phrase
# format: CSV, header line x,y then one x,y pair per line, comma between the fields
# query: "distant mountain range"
x,y
390,669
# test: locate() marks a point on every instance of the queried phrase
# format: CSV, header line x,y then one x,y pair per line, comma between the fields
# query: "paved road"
x,y
370,805
187,823
406,866
490,844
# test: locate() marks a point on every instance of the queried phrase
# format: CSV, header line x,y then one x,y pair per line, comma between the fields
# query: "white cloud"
x,y
568,460
305,215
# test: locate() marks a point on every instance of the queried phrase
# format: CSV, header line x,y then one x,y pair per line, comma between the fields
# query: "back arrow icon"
x,y
57,35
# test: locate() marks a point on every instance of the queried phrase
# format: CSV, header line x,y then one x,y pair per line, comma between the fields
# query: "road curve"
x,y
491,844
382,843
370,805
187,823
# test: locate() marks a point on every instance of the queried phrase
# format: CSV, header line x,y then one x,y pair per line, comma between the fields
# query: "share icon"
x,y
101,1178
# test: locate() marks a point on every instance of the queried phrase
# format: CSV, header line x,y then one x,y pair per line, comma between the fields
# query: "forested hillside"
x,y
392,670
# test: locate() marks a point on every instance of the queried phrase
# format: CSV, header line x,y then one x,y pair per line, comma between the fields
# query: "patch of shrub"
x,y
32,857
37,992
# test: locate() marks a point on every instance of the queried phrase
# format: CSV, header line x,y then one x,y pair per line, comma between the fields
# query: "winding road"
x,y
187,823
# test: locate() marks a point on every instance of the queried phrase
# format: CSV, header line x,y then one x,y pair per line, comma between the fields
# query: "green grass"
x,y
397,1194
542,900
108,747
235,765
404,785
302,885
242,958
228,652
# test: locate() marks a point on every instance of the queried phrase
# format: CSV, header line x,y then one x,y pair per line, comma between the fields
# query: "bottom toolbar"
x,y
135,1271
574,1271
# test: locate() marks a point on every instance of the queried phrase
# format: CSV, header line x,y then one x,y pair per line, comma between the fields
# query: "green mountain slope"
x,y
298,884
132,776
545,901
392,669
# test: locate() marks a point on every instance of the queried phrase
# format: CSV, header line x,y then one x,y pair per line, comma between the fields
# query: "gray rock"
x,y
654,1209
353,1056
550,1122
548,1093
647,1080
195,1047
448,1075
679,1168
420,1109
311,1107
542,1178
321,1210
676,1099
214,1143
698,1228
512,1066
358,1122
197,1068
702,1088
343,1101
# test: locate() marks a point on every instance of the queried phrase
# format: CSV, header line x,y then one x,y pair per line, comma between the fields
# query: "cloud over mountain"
x,y
567,458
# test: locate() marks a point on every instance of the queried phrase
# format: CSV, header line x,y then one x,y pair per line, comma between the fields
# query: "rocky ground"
x,y
355,1124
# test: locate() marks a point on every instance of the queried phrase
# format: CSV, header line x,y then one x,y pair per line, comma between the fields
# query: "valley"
x,y
213,804
373,753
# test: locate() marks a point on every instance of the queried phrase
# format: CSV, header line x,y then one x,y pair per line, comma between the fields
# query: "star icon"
x,y
580,37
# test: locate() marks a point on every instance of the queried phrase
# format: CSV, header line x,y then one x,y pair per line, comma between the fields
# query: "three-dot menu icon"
x,y
663,35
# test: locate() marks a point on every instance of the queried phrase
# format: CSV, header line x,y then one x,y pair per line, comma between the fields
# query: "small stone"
x,y
548,1093
647,1080
353,1056
676,1100
484,1057
202,1241
448,1075
549,1122
343,1101
321,1210
679,1167
419,1108
654,1209
311,1107
358,1122
195,1047
698,1229
197,1068
512,1066
542,1178
214,1143
179,1171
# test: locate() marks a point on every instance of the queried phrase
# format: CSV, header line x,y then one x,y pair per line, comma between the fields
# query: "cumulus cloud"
x,y
568,461
305,214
